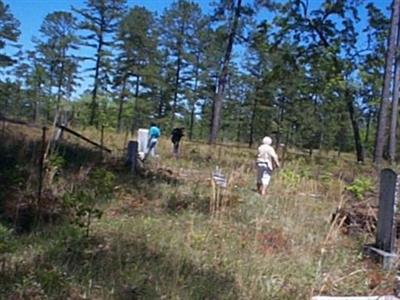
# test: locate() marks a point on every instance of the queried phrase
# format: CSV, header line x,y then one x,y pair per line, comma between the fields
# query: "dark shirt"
x,y
176,135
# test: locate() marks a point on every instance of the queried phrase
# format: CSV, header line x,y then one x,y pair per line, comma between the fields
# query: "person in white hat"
x,y
266,160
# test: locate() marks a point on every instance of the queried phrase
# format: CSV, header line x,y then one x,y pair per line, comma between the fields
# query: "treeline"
x,y
310,77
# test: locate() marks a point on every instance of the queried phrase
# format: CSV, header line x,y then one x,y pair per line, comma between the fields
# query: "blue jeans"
x,y
151,146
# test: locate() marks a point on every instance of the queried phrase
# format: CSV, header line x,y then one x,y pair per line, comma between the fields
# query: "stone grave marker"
x,y
143,137
132,155
384,248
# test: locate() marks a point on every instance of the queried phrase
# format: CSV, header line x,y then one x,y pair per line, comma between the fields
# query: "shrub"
x,y
360,186
84,200
6,240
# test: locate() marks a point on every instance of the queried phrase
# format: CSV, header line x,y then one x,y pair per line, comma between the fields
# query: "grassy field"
x,y
156,238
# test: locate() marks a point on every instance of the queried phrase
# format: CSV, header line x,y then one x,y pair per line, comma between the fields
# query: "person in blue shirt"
x,y
154,134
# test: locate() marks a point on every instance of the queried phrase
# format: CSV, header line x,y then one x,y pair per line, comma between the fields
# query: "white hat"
x,y
267,140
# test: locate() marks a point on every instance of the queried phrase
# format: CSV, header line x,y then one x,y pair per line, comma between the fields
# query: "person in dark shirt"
x,y
176,136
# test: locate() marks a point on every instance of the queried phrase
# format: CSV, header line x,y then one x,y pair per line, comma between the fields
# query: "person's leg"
x,y
260,172
175,149
259,186
150,149
266,178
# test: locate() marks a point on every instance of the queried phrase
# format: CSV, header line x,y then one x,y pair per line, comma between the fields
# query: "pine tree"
x,y
179,25
58,32
9,33
100,20
222,77
137,43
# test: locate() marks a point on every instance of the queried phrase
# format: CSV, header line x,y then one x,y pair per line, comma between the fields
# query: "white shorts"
x,y
263,174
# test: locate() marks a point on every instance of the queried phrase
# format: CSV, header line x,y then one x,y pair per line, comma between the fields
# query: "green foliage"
x,y
100,21
293,174
85,200
101,182
360,186
9,32
298,81
6,240
53,64
290,177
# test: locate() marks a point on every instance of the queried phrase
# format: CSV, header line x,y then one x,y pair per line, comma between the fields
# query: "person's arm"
x,y
275,158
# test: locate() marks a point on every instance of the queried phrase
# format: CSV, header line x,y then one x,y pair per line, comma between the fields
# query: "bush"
x,y
360,186
6,240
84,200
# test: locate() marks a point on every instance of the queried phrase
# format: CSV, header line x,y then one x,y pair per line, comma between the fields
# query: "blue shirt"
x,y
154,132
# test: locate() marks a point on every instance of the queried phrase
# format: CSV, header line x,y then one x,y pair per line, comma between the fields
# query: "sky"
x,y
31,13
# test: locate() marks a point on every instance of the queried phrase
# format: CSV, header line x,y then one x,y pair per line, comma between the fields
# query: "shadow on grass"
x,y
134,269
19,180
76,155
195,202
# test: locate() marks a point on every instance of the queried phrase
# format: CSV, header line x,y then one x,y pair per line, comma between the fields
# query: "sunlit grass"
x,y
157,239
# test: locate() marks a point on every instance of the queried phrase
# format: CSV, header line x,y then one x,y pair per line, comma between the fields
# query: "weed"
x,y
84,200
6,240
360,186
279,247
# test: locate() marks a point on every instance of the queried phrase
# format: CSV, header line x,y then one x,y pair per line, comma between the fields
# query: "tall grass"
x,y
157,239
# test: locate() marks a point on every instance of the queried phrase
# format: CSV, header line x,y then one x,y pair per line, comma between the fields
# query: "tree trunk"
x,y
93,105
193,108
252,121
177,74
60,84
367,130
136,106
176,89
385,100
280,122
35,109
36,102
218,100
49,94
354,124
121,104
395,108
191,124
160,109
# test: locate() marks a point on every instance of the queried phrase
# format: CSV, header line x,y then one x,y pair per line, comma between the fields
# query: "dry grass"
x,y
157,239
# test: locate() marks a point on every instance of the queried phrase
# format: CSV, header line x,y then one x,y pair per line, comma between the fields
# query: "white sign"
x,y
219,179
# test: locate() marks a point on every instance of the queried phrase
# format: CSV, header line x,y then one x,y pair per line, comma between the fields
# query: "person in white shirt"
x,y
267,159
